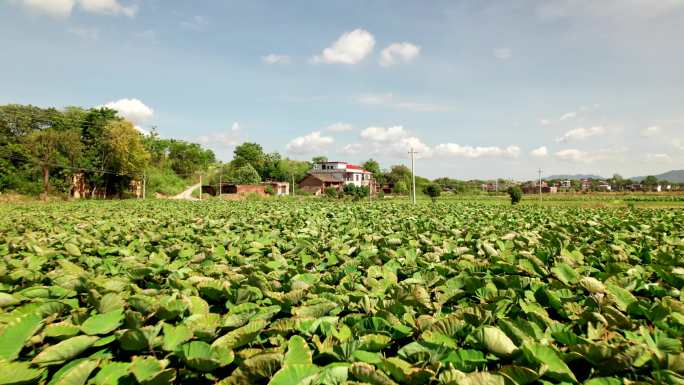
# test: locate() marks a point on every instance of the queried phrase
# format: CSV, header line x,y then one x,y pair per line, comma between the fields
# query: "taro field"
x,y
315,292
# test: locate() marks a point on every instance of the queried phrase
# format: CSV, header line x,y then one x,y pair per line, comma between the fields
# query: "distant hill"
x,y
676,176
575,177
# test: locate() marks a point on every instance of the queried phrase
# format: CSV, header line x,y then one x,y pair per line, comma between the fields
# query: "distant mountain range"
x,y
575,177
676,176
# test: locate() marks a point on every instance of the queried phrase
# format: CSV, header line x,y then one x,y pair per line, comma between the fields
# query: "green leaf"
x,y
174,336
298,352
622,297
79,374
18,373
201,356
103,323
241,336
72,249
565,273
603,381
15,335
496,341
294,374
542,354
64,351
111,373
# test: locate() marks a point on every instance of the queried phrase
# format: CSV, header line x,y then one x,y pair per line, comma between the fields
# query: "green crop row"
x,y
327,292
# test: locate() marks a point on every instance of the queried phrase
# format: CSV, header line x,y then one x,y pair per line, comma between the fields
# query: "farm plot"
x,y
290,293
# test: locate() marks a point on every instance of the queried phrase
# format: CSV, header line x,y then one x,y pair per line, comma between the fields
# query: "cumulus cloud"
x,y
276,59
540,152
339,127
352,149
579,156
650,131
132,109
389,100
64,8
661,158
350,48
398,53
503,53
228,138
544,122
196,23
310,143
384,134
568,115
582,133
453,149
108,7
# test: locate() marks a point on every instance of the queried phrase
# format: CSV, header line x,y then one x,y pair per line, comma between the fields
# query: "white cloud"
x,y
352,149
339,127
85,33
398,52
388,100
568,115
650,131
606,9
544,122
196,23
453,149
540,152
661,158
64,8
382,134
276,59
222,139
582,133
503,53
108,7
579,156
401,147
309,143
350,48
131,109
679,144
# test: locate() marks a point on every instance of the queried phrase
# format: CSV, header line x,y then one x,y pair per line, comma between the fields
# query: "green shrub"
x,y
164,181
432,190
330,192
269,190
515,193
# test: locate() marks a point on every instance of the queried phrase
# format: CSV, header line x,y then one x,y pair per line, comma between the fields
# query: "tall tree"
x,y
249,153
126,151
43,146
319,159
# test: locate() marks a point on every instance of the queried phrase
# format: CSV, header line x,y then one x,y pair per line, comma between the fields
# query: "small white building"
x,y
350,173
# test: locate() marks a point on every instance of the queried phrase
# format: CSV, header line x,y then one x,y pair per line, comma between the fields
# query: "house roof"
x,y
328,177
355,167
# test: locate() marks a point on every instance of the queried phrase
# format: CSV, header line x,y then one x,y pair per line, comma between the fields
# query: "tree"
x,y
515,193
400,188
249,153
373,166
650,181
44,148
433,191
126,152
246,175
319,159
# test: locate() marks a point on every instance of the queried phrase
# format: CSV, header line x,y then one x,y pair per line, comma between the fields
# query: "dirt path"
x,y
187,194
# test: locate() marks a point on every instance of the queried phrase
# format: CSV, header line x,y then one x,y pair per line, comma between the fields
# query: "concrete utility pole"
x,y
293,192
413,174
220,183
540,186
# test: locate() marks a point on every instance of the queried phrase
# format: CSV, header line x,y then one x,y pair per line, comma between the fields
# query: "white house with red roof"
x,y
335,174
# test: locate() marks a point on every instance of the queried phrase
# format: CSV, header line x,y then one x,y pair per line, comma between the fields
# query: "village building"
x,y
325,175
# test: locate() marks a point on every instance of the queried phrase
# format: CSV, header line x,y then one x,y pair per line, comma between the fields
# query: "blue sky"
x,y
481,88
